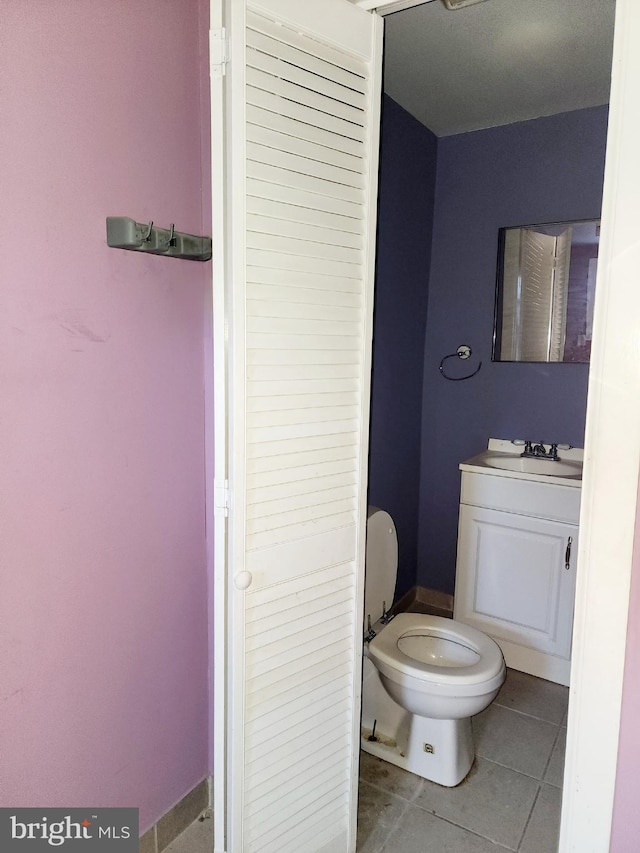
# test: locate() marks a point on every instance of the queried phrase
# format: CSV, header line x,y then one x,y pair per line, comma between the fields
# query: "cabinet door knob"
x,y
567,554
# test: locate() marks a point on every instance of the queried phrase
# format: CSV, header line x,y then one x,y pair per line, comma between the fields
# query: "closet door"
x,y
303,129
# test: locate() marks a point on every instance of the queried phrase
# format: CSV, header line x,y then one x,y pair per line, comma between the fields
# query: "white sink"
x,y
530,465
503,458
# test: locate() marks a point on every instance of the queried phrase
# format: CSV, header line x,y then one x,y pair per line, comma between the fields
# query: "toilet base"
x,y
450,740
439,750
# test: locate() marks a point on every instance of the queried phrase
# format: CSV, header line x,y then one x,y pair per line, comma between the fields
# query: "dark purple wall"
x,y
407,187
546,170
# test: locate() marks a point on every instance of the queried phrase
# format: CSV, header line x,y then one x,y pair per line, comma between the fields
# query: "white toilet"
x,y
424,676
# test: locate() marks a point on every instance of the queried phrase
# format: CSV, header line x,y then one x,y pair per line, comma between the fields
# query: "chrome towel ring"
x,y
463,352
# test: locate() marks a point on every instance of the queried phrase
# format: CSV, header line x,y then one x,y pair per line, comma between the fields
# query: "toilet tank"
x,y
381,563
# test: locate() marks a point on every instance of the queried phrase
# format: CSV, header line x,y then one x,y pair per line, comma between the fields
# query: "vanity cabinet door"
x,y
515,580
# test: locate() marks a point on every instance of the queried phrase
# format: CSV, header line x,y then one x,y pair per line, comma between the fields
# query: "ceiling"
x,y
498,62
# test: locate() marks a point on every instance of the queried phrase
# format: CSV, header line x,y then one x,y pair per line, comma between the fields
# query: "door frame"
x,y
611,465
217,491
611,471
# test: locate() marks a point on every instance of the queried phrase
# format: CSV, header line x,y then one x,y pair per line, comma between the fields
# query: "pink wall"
x,y
625,833
103,567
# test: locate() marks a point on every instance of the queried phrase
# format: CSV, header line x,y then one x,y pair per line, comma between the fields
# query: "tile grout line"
x,y
421,786
395,825
479,834
513,770
524,714
555,743
528,821
392,793
466,829
419,789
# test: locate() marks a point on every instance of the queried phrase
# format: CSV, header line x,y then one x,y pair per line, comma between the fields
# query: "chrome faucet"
x,y
538,450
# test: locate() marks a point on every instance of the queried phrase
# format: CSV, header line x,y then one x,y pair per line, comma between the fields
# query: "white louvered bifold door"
x,y
304,115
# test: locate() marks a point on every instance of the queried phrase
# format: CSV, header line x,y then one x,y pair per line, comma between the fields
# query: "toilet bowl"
x,y
424,676
436,667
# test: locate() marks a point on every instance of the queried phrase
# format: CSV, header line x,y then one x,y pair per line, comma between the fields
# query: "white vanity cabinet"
x,y
516,566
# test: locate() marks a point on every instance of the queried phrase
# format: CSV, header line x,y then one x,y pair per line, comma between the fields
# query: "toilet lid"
x,y
438,649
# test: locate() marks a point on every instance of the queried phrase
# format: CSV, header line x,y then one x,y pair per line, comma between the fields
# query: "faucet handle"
x,y
553,452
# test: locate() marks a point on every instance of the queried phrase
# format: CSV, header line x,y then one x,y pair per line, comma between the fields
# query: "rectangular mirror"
x,y
545,290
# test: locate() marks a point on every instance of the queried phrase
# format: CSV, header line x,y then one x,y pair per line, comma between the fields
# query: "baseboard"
x,y
192,806
420,598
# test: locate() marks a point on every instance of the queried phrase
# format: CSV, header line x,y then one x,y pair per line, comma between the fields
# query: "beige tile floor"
x,y
509,801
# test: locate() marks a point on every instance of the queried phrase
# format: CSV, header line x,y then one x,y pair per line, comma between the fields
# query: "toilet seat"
x,y
477,659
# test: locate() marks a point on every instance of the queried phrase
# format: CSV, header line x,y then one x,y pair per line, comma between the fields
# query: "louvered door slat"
x,y
269,191
303,215
303,263
312,829
268,403
324,169
290,657
304,351
286,530
320,103
265,307
308,698
300,340
298,296
269,321
297,230
301,449
302,364
297,609
321,83
291,178
308,496
304,114
287,45
297,431
342,380
301,278
291,783
299,796
305,248
330,475
273,462
296,129
299,498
